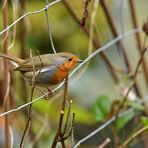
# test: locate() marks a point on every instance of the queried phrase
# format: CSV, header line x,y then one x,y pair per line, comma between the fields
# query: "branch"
x,y
119,44
133,82
59,135
34,79
137,35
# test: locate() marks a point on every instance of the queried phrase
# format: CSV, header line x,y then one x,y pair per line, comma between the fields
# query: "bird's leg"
x,y
41,92
44,93
49,93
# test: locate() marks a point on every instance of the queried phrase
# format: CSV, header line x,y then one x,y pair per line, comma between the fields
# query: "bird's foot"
x,y
48,93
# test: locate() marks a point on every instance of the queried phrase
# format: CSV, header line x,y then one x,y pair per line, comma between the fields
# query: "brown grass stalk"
x,y
32,91
61,134
119,44
132,83
6,81
133,136
23,55
114,30
138,37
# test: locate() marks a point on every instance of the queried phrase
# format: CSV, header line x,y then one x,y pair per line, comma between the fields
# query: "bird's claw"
x,y
49,94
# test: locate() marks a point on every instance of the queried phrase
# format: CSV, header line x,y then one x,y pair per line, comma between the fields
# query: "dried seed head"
x,y
85,13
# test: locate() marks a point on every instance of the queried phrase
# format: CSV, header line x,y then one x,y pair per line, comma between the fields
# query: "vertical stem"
x,y
138,38
119,44
6,74
65,94
59,132
22,32
115,33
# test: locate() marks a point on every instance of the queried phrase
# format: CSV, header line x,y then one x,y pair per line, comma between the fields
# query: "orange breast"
x,y
59,76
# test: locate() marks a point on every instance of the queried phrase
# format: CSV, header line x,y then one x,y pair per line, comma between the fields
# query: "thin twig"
x,y
59,135
34,79
55,140
49,30
67,118
105,143
138,38
14,7
121,21
92,24
30,106
95,132
133,82
29,13
44,124
71,128
119,44
133,78
99,50
133,136
115,33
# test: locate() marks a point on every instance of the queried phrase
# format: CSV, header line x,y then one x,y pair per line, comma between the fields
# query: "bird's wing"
x,y
42,78
39,62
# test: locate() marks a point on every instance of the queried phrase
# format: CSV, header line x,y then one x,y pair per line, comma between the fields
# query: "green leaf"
x,y
135,105
122,121
101,108
144,120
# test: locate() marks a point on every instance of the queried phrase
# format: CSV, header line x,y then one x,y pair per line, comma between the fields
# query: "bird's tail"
x,y
15,61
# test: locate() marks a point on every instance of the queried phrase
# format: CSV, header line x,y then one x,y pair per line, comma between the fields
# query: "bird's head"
x,y
70,60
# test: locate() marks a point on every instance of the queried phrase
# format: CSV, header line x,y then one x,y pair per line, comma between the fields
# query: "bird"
x,y
46,69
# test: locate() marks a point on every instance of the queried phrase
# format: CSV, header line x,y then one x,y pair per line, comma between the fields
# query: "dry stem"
x,y
6,81
119,44
32,91
60,135
105,143
133,136
138,38
133,82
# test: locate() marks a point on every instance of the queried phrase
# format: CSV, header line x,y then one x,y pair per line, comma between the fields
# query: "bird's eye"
x,y
70,59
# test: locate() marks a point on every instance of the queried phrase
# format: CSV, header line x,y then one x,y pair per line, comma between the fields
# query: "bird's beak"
x,y
79,61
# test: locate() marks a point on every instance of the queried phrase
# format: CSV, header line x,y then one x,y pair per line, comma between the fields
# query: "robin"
x,y
47,69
